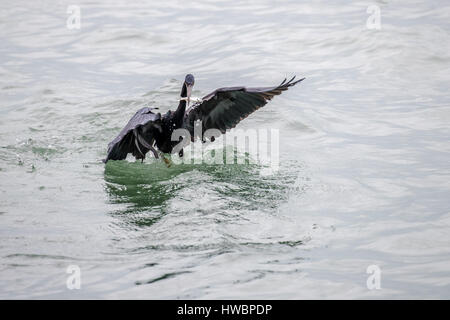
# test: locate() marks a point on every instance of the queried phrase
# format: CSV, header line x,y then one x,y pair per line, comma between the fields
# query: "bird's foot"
x,y
166,161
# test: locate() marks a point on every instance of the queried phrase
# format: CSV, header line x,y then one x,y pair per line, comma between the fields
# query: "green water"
x,y
364,151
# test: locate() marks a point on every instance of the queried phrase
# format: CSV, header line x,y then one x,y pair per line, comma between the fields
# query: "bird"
x,y
222,110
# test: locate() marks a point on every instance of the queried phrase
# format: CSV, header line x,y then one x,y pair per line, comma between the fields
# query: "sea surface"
x,y
364,151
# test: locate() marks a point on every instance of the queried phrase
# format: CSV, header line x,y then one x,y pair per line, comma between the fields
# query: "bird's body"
x,y
171,122
222,110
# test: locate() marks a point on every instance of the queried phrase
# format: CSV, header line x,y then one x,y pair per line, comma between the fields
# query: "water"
x,y
364,150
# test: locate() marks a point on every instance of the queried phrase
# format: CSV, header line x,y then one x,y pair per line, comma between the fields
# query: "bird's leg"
x,y
166,161
155,153
136,138
137,146
139,149
148,146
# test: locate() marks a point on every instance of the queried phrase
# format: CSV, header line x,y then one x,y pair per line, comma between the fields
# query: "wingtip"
x,y
291,82
300,80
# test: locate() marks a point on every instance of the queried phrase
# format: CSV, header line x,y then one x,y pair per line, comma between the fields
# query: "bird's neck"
x,y
179,113
183,93
181,108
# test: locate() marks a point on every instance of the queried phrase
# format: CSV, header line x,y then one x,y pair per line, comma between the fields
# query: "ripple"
x,y
364,151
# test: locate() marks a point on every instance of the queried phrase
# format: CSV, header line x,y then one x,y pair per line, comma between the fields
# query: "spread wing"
x,y
136,137
224,108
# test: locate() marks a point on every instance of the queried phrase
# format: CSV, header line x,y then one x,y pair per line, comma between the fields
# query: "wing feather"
x,y
135,137
224,108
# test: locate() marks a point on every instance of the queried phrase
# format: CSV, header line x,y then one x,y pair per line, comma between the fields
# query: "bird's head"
x,y
187,87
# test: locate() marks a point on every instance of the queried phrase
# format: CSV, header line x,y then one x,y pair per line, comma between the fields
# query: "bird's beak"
x,y
189,91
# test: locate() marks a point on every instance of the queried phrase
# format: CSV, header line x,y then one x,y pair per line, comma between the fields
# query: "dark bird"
x,y
222,109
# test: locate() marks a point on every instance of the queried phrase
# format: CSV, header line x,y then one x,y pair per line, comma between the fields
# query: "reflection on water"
x,y
147,188
142,185
364,149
